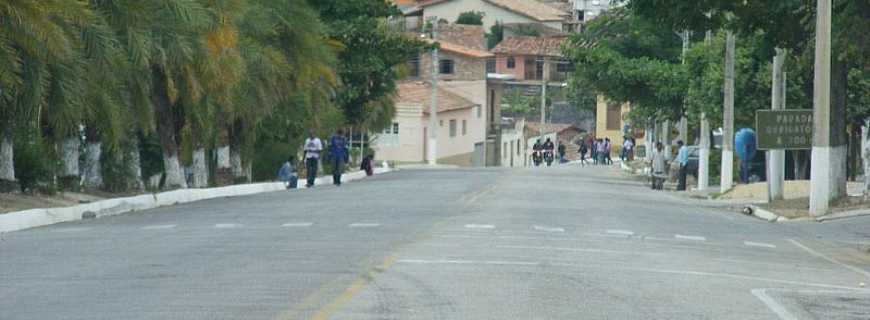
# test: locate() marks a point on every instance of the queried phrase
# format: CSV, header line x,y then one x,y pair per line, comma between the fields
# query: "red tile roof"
x,y
419,92
530,8
531,46
471,52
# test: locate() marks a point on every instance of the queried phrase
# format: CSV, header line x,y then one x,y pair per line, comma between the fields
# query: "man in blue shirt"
x,y
339,154
683,160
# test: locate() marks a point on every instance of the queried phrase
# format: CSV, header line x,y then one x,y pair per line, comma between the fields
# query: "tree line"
x,y
106,93
634,54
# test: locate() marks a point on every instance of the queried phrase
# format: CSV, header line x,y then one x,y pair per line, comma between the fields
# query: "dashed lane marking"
x,y
364,225
297,224
549,229
759,244
72,229
480,226
227,225
627,233
693,238
159,227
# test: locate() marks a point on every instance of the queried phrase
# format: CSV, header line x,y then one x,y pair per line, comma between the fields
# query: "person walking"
x,y
366,165
313,147
583,150
658,167
287,173
608,148
593,150
561,150
600,149
683,159
627,146
338,153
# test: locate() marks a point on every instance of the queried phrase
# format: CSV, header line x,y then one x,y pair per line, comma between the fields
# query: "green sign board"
x,y
784,129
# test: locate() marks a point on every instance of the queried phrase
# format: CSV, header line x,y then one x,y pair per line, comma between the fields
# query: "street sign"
x,y
784,129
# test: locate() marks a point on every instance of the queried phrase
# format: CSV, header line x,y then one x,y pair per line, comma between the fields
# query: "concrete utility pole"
x,y
666,139
544,78
828,154
704,150
727,174
684,122
432,150
776,158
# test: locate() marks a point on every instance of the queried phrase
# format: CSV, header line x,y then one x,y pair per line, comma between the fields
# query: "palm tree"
x,y
162,39
35,53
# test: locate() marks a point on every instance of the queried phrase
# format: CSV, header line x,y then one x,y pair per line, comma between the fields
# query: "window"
x,y
479,111
445,66
614,115
464,128
395,128
452,128
490,65
440,123
565,66
518,147
504,150
492,105
414,67
511,63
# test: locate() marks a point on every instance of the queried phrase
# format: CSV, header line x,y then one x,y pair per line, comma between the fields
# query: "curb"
x,y
843,215
766,215
26,219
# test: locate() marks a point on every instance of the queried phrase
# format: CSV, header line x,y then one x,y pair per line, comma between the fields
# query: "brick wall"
x,y
464,68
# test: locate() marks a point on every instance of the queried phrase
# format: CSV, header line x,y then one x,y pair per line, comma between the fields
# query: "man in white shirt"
x,y
313,146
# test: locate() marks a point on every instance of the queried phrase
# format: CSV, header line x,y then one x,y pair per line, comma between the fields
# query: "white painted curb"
x,y
766,215
32,218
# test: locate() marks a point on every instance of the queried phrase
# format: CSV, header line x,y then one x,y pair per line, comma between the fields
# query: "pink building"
x,y
524,57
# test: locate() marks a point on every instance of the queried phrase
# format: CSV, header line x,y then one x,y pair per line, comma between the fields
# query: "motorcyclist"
x,y
548,151
537,148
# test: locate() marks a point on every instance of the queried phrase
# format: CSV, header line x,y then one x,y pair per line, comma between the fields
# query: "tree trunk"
x,y
71,156
135,167
865,154
93,169
200,168
166,128
223,175
236,163
7,164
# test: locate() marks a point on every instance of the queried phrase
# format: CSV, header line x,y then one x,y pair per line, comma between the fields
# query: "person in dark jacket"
x,y
339,154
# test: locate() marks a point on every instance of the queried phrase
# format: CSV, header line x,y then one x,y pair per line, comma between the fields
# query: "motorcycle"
x,y
537,158
548,157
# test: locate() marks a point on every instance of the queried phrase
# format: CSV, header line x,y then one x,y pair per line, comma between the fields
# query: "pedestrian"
x,y
313,147
627,146
561,150
658,167
683,159
593,145
287,173
608,148
338,153
583,150
366,165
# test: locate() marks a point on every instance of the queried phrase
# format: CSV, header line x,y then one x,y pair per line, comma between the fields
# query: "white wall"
x,y
408,146
450,10
474,91
460,144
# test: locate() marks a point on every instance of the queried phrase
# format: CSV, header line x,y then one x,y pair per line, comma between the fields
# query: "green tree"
x,y
470,18
495,35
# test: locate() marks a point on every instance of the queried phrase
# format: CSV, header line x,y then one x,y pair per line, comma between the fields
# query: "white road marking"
x,y
693,238
489,262
774,306
549,229
480,226
72,229
831,260
297,224
159,227
758,244
574,249
628,233
227,225
364,225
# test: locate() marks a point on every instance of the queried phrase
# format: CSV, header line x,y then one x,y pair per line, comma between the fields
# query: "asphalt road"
x,y
546,243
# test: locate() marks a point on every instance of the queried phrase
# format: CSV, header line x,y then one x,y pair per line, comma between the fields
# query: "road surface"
x,y
546,243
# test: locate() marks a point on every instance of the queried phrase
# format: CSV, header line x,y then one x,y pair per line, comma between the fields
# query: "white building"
x,y
503,11
461,127
585,10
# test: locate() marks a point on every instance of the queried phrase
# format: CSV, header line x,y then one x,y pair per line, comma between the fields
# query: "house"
x,y
514,148
461,127
524,57
462,55
503,11
611,122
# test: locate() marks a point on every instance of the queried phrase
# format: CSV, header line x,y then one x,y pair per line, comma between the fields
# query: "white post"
x,y
727,174
432,146
776,158
666,139
544,77
823,154
704,154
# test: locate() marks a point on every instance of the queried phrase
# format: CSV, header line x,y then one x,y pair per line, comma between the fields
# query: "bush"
x,y
470,18
35,165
